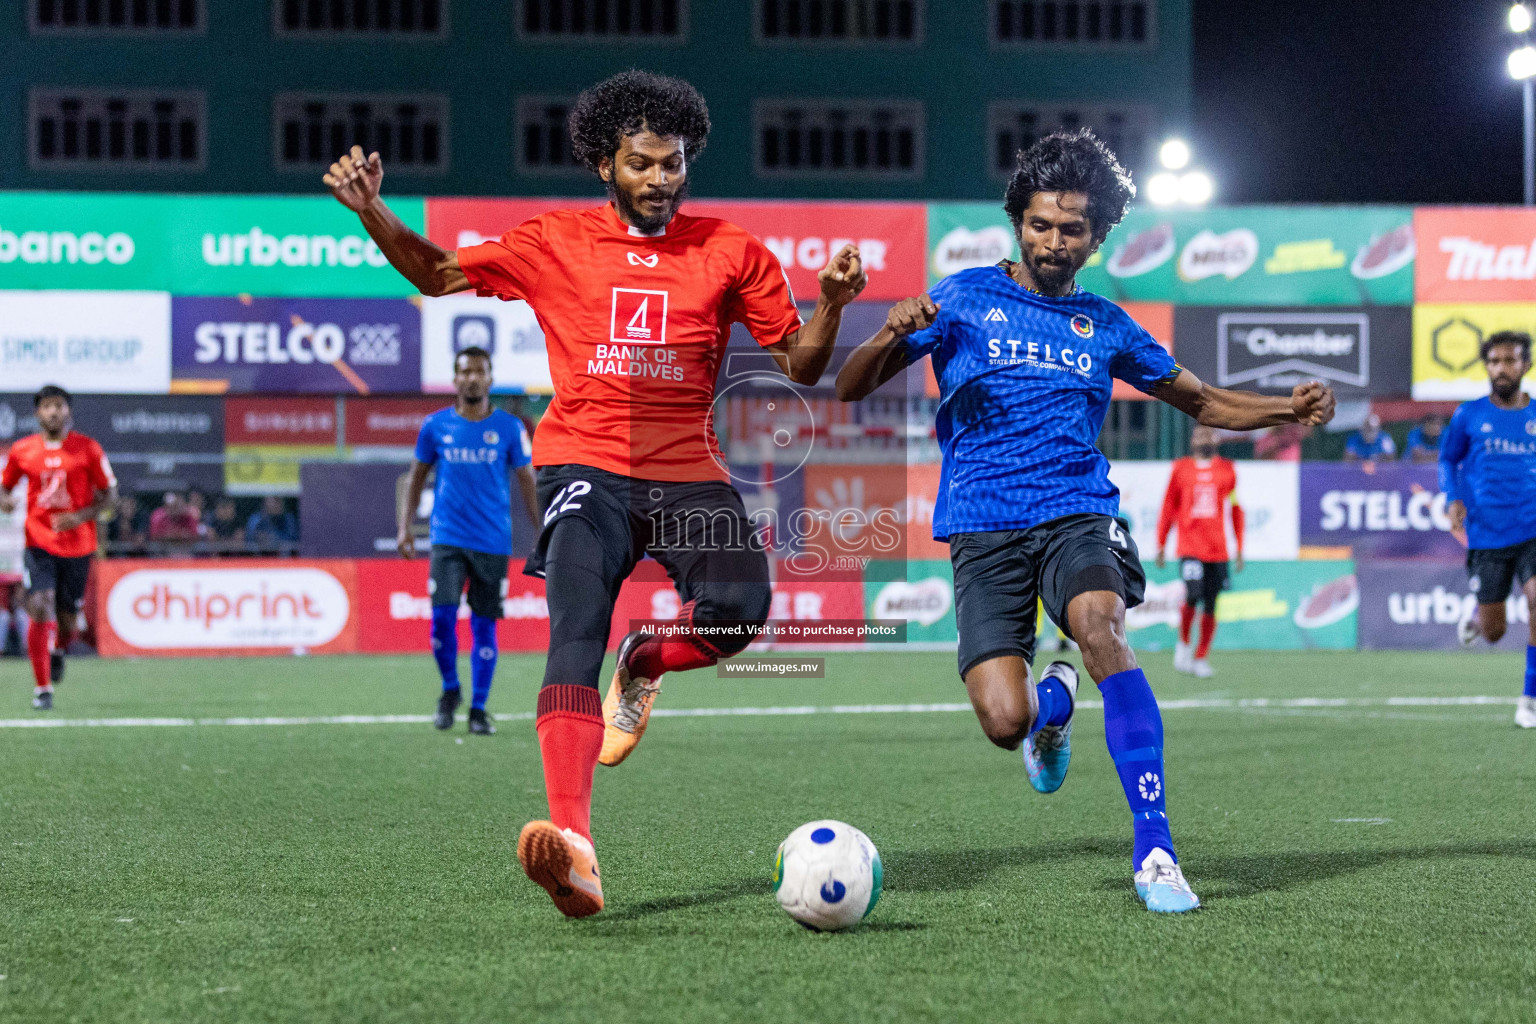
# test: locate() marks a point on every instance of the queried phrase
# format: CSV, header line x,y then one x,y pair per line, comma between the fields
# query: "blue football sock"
x,y
445,643
1055,704
1133,730
1530,671
482,663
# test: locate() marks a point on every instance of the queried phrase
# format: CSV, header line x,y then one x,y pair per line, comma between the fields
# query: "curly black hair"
x,y
1519,339
631,102
1072,162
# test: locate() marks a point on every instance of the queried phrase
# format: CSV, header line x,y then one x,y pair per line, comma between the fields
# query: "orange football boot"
x,y
564,863
627,708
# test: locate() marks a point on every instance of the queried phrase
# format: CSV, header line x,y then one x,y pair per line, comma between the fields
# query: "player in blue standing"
x,y
476,449
1024,360
1488,473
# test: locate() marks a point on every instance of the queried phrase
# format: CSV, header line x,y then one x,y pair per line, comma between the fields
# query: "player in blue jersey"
x,y
1024,360
1488,473
476,450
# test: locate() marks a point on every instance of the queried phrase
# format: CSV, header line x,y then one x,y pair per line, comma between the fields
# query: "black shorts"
x,y
698,531
1000,575
1495,570
1203,582
484,573
66,577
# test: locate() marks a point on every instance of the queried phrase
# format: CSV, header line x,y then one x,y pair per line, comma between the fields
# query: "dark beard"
x,y
1504,389
1204,453
641,223
1051,278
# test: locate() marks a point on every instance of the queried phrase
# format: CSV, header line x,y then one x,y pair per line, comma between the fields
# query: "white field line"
x,y
1200,704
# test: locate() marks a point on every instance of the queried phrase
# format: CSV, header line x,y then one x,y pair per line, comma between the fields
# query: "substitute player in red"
x,y
1201,488
69,483
636,301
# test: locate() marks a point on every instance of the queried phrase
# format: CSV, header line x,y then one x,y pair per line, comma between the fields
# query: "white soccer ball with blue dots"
x,y
827,876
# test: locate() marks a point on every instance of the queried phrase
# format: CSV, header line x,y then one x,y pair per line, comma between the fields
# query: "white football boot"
x,y
1183,657
1525,713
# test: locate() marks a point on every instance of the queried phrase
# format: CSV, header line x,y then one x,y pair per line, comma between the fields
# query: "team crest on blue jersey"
x,y
1530,427
491,437
1082,326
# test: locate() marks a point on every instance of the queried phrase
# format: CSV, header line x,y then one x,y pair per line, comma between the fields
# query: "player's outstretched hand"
x,y
1313,403
405,543
354,180
7,503
843,278
912,315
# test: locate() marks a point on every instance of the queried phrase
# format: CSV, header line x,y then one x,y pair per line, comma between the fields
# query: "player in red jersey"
x,y
69,483
636,301
1198,494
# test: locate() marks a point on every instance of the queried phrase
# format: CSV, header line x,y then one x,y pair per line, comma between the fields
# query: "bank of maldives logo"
x,y
639,317
1284,349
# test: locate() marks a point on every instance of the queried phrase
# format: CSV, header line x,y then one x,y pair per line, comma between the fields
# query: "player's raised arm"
x,y
885,354
355,180
804,355
1310,403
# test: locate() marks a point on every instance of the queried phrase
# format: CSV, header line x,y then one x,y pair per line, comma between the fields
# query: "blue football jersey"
x,y
472,500
1488,462
1024,385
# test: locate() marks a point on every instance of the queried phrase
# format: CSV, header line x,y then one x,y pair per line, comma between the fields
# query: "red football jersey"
x,y
635,327
61,476
1197,499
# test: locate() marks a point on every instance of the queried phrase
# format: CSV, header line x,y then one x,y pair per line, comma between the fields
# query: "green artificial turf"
x,y
325,872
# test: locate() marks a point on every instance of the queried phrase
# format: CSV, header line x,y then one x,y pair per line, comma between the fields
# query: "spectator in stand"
x,y
124,529
1282,443
225,524
174,520
1424,439
1370,444
273,524
197,501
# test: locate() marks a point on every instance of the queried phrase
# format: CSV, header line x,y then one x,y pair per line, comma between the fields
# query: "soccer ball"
x,y
827,875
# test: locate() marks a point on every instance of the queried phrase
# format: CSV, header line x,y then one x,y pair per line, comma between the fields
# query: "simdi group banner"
x,y
88,341
1250,255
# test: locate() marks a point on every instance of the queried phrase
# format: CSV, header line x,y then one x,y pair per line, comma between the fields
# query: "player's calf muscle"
x,y
1098,624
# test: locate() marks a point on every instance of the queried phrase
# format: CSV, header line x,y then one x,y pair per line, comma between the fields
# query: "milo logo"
x,y
91,247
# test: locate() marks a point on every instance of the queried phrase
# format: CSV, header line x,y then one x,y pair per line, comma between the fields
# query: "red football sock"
x,y
1207,634
673,654
40,640
1186,620
570,728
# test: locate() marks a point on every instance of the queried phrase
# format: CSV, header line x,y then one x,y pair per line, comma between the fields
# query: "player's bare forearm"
x,y
407,507
1311,404
529,486
804,355
432,269
870,365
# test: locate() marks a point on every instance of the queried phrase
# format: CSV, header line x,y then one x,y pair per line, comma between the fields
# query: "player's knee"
x,y
40,605
741,604
1005,723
